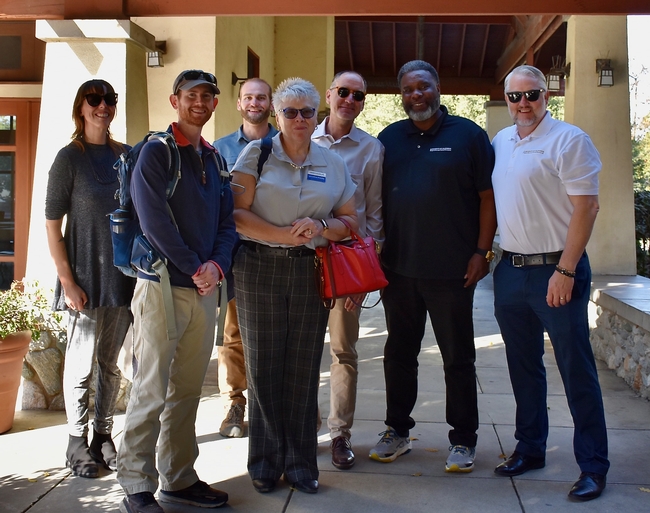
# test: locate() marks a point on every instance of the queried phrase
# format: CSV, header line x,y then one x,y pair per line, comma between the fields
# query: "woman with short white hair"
x,y
302,197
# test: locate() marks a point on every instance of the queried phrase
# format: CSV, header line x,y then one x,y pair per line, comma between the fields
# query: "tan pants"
x,y
231,367
344,333
166,389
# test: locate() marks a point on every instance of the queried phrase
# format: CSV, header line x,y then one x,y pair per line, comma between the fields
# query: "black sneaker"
x,y
200,494
143,502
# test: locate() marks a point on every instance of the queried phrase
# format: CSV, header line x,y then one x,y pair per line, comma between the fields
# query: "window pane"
x,y
6,275
7,218
8,130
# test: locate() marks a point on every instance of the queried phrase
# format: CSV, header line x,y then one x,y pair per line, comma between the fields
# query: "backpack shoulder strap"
x,y
222,167
266,149
174,159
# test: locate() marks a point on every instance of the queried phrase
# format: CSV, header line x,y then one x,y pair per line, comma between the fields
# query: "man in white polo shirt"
x,y
545,183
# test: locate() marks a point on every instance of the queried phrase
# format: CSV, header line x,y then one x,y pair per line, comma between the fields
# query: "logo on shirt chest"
x,y
541,152
440,149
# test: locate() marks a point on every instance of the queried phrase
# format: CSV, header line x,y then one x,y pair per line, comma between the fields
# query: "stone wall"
x,y
624,347
43,376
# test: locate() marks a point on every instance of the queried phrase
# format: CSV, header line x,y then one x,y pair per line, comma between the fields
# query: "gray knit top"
x,y
81,186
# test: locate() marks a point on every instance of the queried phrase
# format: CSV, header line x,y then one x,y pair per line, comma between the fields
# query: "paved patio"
x,y
33,478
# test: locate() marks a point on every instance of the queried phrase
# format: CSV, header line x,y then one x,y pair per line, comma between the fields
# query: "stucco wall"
x,y
234,36
304,47
604,113
190,44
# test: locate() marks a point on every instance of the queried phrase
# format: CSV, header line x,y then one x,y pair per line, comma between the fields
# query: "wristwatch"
x,y
485,253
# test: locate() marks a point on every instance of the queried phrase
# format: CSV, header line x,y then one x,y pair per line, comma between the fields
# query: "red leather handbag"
x,y
348,267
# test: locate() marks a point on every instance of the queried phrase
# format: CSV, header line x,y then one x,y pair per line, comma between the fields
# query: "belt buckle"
x,y
518,260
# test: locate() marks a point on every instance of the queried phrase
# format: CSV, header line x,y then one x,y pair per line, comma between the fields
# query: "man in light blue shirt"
x,y
363,156
254,104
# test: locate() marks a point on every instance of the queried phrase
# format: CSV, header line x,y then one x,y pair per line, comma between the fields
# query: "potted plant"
x,y
24,312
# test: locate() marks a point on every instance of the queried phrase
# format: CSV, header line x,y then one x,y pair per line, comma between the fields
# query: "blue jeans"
x,y
523,315
95,334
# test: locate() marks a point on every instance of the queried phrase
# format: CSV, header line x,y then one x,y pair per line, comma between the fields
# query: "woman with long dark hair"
x,y
81,188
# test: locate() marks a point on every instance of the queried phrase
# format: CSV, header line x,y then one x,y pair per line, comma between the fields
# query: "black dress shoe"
x,y
264,485
306,485
588,487
517,464
342,455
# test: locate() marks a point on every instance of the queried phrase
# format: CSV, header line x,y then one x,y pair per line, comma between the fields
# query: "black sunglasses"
x,y
344,92
531,96
95,99
195,74
305,112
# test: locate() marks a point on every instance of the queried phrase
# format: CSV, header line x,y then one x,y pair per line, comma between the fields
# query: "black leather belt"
x,y
518,260
263,249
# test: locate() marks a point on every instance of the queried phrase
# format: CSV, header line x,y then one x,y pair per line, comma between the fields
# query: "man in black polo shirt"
x,y
440,219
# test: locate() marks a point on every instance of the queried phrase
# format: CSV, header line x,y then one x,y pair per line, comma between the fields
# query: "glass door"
x,y
17,149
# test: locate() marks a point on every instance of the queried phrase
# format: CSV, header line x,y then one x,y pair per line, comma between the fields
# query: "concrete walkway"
x,y
32,476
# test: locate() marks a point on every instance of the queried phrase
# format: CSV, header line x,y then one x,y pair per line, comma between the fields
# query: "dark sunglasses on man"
x,y
95,99
344,92
531,96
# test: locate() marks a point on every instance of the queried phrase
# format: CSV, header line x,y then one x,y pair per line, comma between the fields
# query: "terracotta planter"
x,y
12,351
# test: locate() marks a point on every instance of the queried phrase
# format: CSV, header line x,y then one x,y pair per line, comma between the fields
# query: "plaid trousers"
x,y
283,323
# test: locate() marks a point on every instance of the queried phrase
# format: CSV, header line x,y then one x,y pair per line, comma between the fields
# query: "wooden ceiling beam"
x,y
347,36
536,30
372,49
461,52
124,9
481,63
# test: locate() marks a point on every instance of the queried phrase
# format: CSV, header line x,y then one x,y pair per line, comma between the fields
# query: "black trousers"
x,y
449,305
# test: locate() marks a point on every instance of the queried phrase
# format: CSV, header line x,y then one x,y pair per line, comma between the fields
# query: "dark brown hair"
x,y
97,86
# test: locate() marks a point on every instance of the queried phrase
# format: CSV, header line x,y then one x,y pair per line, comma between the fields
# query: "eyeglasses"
x,y
194,74
344,92
95,99
305,112
531,96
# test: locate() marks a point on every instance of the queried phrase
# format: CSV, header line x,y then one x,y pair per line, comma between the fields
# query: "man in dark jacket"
x,y
197,244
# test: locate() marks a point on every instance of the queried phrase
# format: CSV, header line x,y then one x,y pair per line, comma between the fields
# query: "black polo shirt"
x,y
431,181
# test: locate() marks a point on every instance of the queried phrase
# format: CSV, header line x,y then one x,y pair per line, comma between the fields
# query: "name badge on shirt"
x,y
317,176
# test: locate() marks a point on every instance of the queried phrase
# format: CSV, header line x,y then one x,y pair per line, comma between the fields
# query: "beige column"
x,y
304,47
77,51
496,117
604,113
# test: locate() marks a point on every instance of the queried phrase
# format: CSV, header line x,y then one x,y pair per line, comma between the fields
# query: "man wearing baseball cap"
x,y
197,244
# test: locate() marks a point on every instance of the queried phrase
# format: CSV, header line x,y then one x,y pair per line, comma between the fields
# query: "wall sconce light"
x,y
155,59
555,77
605,73
235,79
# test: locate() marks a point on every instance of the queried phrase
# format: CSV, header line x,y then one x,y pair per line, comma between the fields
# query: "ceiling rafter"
x,y
483,50
372,48
462,49
347,34
535,32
